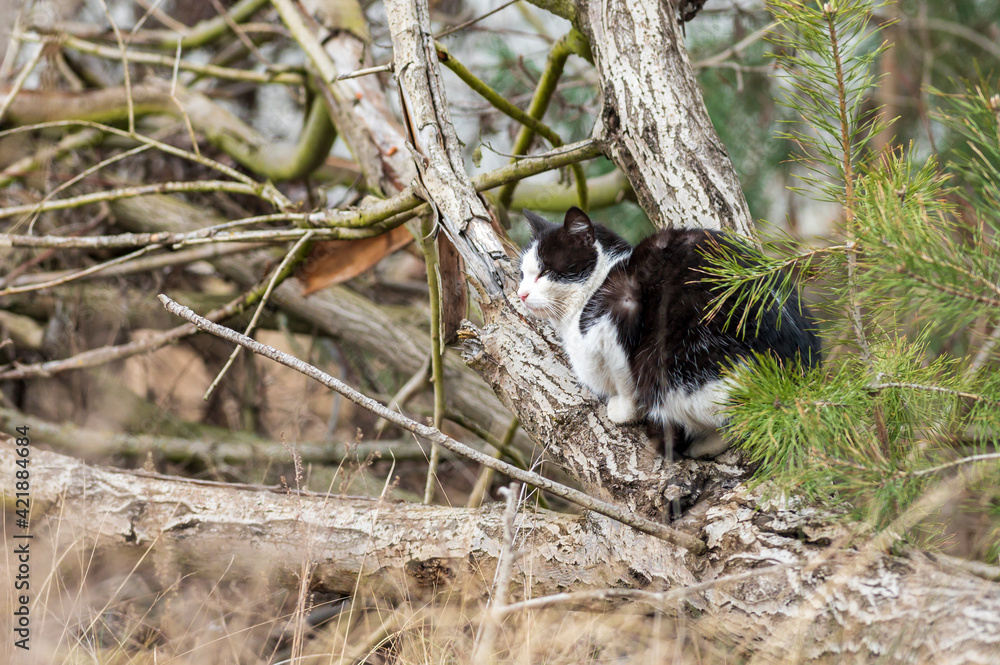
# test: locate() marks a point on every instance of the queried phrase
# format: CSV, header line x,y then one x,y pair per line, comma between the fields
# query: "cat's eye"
x,y
542,273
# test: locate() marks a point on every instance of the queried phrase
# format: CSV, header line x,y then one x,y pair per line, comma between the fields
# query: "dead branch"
x,y
435,436
233,448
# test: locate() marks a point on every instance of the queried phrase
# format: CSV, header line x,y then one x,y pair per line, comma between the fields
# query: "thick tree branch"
x,y
654,125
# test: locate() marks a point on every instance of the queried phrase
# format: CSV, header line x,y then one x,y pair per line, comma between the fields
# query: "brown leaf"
x,y
336,261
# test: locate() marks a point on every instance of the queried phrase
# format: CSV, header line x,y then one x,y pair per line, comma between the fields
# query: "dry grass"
x,y
112,612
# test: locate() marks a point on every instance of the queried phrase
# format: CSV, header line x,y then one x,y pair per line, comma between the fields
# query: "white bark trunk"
x,y
654,124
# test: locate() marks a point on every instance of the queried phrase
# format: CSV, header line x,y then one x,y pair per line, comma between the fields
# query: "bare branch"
x,y
371,219
434,435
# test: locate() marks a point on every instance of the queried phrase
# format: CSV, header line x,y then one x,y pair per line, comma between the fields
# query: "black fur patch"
x,y
669,342
657,297
565,253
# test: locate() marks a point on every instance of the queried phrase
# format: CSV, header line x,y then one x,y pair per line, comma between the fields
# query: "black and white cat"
x,y
632,321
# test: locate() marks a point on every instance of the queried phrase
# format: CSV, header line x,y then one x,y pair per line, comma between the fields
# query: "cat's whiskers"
x,y
553,311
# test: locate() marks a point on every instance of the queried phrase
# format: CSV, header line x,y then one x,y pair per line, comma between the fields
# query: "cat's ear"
x,y
537,223
577,224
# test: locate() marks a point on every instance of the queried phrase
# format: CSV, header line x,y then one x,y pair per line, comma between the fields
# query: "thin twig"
x,y
226,448
473,21
290,14
239,32
933,389
501,104
131,192
502,446
13,50
125,68
13,278
428,232
174,76
79,275
432,434
358,73
737,48
971,459
282,74
162,16
19,81
482,653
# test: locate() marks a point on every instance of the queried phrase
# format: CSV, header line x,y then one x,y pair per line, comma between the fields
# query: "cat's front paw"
x,y
621,410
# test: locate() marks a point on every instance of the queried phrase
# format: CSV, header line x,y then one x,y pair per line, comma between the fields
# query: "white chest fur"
x,y
596,356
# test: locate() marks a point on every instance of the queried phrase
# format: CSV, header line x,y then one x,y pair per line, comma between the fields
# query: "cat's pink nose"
x,y
522,296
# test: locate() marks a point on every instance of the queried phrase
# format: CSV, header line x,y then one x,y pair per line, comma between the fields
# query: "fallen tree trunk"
x,y
765,567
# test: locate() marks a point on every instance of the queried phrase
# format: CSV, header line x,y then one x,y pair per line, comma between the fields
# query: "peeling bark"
x,y
766,566
654,124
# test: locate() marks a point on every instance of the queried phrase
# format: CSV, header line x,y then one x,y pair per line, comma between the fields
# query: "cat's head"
x,y
557,262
